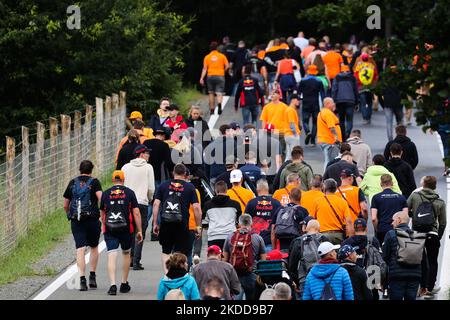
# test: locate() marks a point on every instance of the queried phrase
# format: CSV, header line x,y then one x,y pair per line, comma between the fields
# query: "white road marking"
x,y
66,276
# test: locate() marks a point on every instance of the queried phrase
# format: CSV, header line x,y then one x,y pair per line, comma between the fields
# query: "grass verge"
x,y
185,98
42,237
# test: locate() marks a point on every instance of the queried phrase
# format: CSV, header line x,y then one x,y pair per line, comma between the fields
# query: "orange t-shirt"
x,y
244,197
325,215
325,121
292,116
307,51
309,198
282,194
333,62
215,62
351,193
192,223
275,114
286,66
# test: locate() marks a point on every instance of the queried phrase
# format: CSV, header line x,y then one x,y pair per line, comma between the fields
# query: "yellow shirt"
x,y
275,114
351,193
325,121
309,198
192,223
292,116
282,194
241,195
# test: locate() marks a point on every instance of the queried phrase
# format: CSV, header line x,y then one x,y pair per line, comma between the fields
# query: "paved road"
x,y
144,283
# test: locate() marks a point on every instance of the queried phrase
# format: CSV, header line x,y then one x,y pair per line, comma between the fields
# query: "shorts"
x,y
216,84
114,240
86,233
174,238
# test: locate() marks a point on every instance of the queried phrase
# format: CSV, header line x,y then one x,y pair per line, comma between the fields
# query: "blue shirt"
x,y
252,171
387,203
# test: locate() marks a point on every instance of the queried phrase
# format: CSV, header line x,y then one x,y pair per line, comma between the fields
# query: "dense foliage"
x,y
47,69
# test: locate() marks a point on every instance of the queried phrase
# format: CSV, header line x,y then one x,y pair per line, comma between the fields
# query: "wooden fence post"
x,y
39,168
107,143
10,184
25,175
121,115
54,163
99,136
77,143
65,154
88,153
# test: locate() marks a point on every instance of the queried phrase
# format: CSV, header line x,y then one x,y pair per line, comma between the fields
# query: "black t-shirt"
x,y
127,199
95,186
262,209
160,158
188,194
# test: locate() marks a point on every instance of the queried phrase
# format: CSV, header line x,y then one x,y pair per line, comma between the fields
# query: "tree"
x,y
46,69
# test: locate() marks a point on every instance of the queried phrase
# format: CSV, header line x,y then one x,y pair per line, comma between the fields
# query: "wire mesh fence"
x,y
33,181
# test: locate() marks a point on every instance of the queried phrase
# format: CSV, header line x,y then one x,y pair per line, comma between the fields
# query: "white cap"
x,y
235,176
326,247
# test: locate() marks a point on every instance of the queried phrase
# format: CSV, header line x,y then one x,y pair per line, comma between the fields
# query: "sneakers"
x,y
125,287
92,282
138,266
83,284
436,290
219,108
385,294
112,290
307,138
196,260
428,295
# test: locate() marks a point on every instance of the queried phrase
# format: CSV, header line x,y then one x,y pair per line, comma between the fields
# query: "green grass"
x,y
42,237
185,98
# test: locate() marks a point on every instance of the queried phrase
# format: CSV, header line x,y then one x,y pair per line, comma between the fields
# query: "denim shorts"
x,y
216,84
114,240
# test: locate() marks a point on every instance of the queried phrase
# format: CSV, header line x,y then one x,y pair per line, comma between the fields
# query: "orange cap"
x,y
345,68
135,115
118,175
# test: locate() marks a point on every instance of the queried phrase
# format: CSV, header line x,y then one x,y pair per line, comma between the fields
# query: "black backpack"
x,y
423,218
171,209
115,220
327,291
80,204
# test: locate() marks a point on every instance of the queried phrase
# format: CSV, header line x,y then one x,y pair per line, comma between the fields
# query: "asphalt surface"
x,y
144,284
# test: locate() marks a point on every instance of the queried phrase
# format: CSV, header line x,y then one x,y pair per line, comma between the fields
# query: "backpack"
x,y
286,225
80,204
410,247
171,209
327,291
115,220
241,257
424,217
373,258
366,73
308,256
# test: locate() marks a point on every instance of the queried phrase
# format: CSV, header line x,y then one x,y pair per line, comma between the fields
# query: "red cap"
x,y
214,250
365,57
276,255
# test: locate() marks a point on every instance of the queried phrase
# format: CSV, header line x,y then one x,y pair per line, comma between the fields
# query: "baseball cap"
x,y
295,95
135,115
312,69
235,125
269,127
276,255
364,56
173,107
235,176
118,175
345,251
214,250
346,173
306,220
326,247
140,149
360,224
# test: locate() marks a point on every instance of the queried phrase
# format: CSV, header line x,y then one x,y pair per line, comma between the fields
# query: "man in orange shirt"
x,y
237,192
328,131
292,132
215,64
282,195
333,61
353,195
310,48
310,197
333,213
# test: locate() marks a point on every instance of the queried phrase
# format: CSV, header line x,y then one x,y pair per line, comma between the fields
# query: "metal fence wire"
x,y
32,182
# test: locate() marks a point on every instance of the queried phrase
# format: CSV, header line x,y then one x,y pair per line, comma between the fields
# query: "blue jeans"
x,y
248,284
403,289
330,151
365,103
345,111
307,113
389,114
250,112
